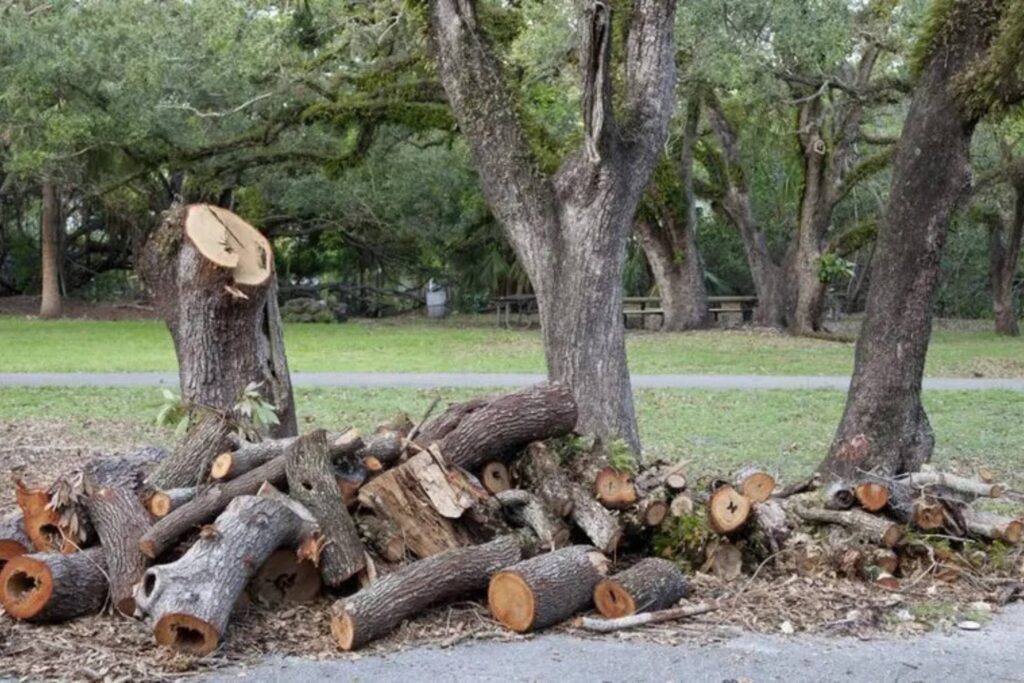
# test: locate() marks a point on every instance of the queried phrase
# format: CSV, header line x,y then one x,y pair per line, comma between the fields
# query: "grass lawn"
x,y
714,431
417,346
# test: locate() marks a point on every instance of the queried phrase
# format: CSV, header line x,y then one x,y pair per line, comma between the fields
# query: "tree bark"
x,y
453,574
1004,256
570,230
120,521
226,328
651,584
52,588
50,241
189,463
13,539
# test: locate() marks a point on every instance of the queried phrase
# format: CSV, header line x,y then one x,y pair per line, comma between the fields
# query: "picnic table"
x,y
522,304
643,306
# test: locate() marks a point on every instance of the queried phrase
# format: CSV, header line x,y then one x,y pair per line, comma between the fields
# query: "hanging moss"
x,y
985,86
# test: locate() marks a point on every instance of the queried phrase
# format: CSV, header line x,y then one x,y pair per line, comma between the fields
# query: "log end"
x,y
222,465
613,600
728,510
185,633
26,586
655,513
511,601
343,628
495,477
892,535
872,496
159,504
614,488
758,486
9,549
1013,532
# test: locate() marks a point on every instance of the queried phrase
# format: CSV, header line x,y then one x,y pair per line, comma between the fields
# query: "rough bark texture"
x,y
207,505
446,422
311,481
546,589
162,503
1005,242
50,240
875,529
570,230
190,601
528,510
342,448
120,521
223,341
539,472
51,588
453,574
509,423
189,464
649,585
931,172
13,539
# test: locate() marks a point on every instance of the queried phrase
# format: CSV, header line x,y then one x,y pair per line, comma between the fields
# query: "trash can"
x,y
437,300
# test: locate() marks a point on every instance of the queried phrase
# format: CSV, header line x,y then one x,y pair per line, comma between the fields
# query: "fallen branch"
x,y
610,625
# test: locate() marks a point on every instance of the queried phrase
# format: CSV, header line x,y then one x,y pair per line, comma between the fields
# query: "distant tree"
x,y
50,238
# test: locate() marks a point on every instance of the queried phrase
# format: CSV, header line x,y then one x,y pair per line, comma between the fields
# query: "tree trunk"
x,y
884,428
120,521
51,588
212,278
651,584
1004,255
51,306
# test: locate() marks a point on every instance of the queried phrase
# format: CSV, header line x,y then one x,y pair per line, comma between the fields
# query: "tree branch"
x,y
595,59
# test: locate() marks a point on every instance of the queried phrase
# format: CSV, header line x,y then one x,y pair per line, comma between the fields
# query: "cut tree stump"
x,y
13,539
207,505
528,510
189,463
190,600
546,589
311,481
756,484
450,575
510,422
728,510
649,585
120,521
162,503
211,277
284,580
48,587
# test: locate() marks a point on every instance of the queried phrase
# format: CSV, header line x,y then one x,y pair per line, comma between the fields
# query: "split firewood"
x,y
495,477
13,539
839,495
755,484
311,481
993,527
162,503
284,580
540,472
48,587
450,575
651,584
446,423
189,463
528,510
614,488
510,422
546,589
622,623
190,600
942,480
874,528
383,536
728,510
723,559
120,521
207,505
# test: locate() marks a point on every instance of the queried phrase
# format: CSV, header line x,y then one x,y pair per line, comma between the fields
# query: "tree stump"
x,y
444,577
51,588
546,589
120,521
311,481
649,585
211,276
13,539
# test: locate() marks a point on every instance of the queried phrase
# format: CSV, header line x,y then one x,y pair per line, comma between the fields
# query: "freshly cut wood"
x,y
207,505
528,510
597,523
510,422
883,558
971,487
495,478
384,448
839,495
120,521
189,463
546,589
681,505
162,503
349,486
189,601
311,481
771,523
48,587
872,495
450,575
540,472
874,528
649,585
248,456
929,514
755,484
728,510
41,523
994,527
444,424
284,579
652,511
622,623
724,560
614,488
13,539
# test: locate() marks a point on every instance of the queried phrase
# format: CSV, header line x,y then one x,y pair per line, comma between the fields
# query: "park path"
x,y
356,380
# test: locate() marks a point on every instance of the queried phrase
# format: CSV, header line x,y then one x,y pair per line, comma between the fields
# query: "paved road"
x,y
440,379
992,654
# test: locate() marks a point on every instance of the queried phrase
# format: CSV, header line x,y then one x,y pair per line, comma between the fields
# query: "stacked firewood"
x,y
494,495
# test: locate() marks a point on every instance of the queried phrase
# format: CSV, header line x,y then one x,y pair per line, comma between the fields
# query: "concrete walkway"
x,y
991,654
439,379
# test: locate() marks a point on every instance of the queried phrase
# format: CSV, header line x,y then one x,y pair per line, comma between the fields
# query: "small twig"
x,y
426,415
632,621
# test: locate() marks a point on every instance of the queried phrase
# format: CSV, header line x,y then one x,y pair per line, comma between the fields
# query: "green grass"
x,y
714,431
416,346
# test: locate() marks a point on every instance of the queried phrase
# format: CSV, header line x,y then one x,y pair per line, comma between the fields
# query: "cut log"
x,y
120,521
546,589
993,527
51,587
875,529
311,481
249,456
755,484
724,560
614,488
728,510
540,472
211,277
872,495
942,480
527,509
495,478
597,523
839,496
385,448
771,524
41,523
13,539
681,505
450,575
207,505
508,423
284,580
162,503
929,514
441,426
384,537
189,463
652,510
649,585
190,600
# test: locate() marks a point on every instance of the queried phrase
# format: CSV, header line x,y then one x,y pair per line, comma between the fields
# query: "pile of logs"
x,y
495,496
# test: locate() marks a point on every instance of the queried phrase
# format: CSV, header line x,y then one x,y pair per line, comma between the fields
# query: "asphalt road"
x,y
440,379
991,654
